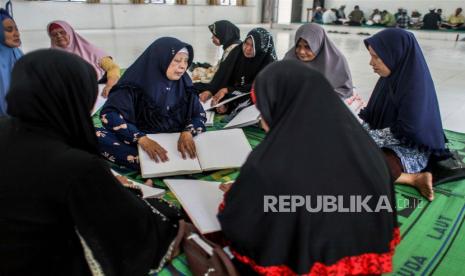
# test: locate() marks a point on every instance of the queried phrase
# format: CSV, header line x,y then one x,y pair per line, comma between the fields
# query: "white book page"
x,y
100,100
227,101
147,191
200,200
206,105
176,164
210,118
222,149
247,116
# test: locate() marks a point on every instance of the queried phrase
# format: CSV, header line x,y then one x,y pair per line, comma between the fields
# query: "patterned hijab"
x,y
329,60
262,42
79,46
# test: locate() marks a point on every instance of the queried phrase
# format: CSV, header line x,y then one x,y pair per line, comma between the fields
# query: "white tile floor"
x,y
446,59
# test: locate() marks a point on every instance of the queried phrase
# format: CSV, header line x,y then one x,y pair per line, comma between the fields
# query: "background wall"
x,y
118,14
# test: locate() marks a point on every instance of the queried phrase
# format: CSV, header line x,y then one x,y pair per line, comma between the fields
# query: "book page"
x,y
206,105
147,191
227,101
222,149
176,164
200,200
100,100
246,117
210,118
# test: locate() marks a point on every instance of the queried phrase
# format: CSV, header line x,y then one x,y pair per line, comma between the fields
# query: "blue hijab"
x,y
405,101
8,57
150,107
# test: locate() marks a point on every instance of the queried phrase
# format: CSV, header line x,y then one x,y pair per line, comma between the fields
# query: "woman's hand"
x,y
205,95
108,86
186,145
153,149
219,95
226,186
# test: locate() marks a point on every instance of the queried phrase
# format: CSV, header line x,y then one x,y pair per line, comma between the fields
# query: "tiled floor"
x,y
446,59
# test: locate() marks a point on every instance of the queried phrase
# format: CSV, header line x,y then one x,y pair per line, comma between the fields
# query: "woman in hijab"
x,y
68,215
403,114
63,37
9,54
311,239
155,95
238,71
225,34
317,51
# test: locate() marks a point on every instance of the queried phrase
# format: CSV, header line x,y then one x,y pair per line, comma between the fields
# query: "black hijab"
x,y
238,72
226,32
322,152
56,91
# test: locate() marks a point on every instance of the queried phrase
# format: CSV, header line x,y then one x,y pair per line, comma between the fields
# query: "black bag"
x,y
203,256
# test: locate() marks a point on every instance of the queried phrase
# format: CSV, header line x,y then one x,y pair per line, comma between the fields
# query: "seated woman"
x,y
402,114
63,36
68,215
314,48
226,34
9,54
300,235
239,70
154,95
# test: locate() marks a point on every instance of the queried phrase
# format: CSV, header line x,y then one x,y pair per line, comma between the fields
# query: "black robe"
x,y
315,147
55,189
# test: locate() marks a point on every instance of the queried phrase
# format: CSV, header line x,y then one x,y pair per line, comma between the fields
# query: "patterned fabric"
x,y
264,40
413,160
403,21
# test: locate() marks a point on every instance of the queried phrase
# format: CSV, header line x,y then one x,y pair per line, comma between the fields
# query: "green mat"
x,y
433,233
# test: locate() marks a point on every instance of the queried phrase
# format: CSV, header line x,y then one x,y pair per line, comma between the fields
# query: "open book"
x,y
200,200
226,101
246,117
216,150
147,191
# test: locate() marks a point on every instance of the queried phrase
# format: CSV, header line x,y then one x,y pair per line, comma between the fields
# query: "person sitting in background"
x,y
415,19
356,17
9,54
403,20
398,13
329,16
318,15
63,37
455,20
154,95
441,16
225,34
431,20
388,19
375,18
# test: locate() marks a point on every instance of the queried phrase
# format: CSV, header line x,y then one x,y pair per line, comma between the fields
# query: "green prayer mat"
x,y
433,233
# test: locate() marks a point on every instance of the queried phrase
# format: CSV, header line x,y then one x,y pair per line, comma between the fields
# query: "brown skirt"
x,y
394,163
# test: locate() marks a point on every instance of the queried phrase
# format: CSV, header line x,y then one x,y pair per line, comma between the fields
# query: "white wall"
x,y
284,11
367,6
110,14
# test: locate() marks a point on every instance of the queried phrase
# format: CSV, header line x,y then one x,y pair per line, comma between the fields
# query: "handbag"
x,y
203,256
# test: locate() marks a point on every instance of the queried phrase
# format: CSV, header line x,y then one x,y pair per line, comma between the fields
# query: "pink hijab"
x,y
80,46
